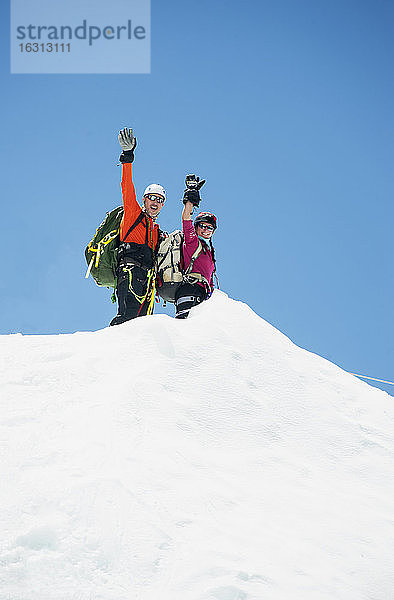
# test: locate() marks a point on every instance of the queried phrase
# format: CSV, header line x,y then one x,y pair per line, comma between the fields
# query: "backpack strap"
x,y
149,228
161,235
146,229
191,277
194,257
138,220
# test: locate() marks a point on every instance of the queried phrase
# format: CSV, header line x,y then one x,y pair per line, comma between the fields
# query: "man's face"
x,y
153,204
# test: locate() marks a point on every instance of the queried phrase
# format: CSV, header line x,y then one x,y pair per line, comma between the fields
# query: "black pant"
x,y
132,283
187,296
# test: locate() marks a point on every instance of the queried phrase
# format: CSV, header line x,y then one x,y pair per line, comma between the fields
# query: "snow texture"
x,y
206,459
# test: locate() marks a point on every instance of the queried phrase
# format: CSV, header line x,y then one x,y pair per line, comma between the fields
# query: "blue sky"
x,y
286,108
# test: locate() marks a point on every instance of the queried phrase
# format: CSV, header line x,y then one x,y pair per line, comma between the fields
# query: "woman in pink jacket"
x,y
198,252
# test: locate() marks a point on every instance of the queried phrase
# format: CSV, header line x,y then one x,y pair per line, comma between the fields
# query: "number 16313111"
x,y
45,47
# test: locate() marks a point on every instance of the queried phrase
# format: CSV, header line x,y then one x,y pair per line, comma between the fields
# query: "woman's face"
x,y
205,230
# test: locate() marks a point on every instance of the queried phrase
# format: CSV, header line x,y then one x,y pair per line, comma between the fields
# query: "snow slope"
x,y
207,459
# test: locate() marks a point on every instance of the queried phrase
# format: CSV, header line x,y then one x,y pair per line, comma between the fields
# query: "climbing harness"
x,y
150,287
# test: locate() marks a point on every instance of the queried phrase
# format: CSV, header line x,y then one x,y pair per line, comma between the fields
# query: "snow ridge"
x,y
206,459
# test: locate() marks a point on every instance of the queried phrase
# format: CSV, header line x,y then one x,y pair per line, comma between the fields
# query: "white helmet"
x,y
155,188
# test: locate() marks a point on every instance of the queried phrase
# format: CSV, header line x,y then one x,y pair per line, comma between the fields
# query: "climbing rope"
x,y
372,378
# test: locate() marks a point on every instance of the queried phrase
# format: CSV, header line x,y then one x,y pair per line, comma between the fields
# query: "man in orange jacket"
x,y
139,238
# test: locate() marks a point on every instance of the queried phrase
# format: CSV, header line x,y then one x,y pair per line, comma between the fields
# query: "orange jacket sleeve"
x,y
131,207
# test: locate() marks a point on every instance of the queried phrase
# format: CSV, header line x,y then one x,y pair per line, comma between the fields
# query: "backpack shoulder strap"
x,y
161,235
159,238
138,220
194,257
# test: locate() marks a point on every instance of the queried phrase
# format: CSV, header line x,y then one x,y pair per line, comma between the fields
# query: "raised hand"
x,y
192,191
128,143
193,183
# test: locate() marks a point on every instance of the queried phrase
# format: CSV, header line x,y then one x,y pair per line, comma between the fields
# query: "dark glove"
x,y
192,191
128,143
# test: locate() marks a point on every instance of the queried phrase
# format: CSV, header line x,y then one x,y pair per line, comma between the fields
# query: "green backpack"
x,y
101,252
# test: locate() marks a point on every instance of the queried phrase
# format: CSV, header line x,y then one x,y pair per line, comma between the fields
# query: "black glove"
x,y
192,191
128,143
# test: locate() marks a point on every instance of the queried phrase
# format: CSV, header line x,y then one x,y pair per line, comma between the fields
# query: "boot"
x,y
118,320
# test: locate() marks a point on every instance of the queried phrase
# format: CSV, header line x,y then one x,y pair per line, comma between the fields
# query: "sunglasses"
x,y
155,197
208,227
